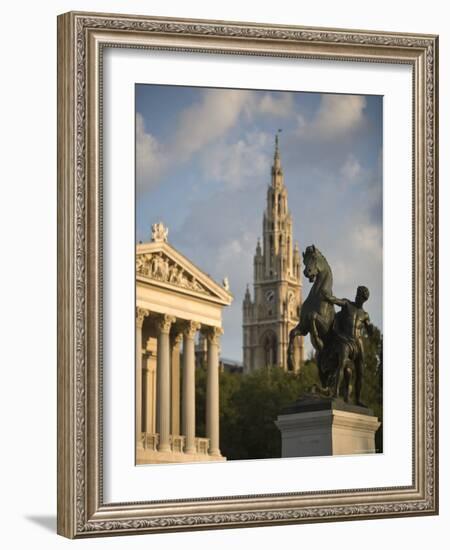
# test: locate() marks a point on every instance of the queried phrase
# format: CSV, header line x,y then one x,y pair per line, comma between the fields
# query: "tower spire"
x,y
277,172
269,317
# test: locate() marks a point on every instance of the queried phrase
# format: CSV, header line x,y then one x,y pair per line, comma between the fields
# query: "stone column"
x,y
141,313
163,380
145,392
188,413
175,383
149,384
212,391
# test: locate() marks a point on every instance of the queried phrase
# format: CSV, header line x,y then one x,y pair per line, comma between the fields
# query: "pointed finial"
x,y
277,142
226,283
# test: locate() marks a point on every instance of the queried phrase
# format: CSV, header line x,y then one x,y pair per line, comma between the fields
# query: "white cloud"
x,y
337,115
241,163
202,128
234,252
278,105
368,239
342,271
149,156
207,120
351,169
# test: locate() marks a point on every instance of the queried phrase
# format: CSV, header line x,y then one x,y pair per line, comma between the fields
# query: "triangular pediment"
x,y
163,265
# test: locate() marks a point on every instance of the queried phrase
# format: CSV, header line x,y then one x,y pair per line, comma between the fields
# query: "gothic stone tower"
x,y
275,309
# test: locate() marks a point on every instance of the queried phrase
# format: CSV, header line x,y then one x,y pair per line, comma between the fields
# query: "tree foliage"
x,y
372,388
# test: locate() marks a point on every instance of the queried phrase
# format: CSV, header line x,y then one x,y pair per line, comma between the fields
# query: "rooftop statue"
x,y
159,232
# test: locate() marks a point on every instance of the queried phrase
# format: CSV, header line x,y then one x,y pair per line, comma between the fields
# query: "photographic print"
x,y
247,274
259,274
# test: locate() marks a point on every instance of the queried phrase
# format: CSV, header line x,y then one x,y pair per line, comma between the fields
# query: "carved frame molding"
x,y
81,510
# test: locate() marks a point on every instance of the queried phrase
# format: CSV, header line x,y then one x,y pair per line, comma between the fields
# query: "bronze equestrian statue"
x,y
317,313
336,338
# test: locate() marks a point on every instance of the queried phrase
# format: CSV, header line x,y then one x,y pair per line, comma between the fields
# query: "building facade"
x,y
274,310
176,303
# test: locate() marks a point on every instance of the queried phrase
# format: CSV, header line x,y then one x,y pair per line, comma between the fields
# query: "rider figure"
x,y
348,328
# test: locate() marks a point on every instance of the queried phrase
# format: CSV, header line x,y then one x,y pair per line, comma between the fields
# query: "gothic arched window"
x,y
270,349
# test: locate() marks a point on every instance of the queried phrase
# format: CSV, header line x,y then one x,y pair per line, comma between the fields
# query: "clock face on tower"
x,y
269,295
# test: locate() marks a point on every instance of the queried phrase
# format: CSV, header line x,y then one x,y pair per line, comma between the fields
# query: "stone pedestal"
x,y
316,426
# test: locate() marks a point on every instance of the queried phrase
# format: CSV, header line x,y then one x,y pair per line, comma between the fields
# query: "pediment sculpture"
x,y
159,267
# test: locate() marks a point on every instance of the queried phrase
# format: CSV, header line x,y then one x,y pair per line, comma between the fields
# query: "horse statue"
x,y
317,315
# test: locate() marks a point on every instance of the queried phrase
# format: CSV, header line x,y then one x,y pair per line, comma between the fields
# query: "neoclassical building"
x,y
175,303
274,310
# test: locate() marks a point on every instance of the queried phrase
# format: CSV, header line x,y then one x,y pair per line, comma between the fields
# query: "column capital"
x,y
212,334
164,323
141,314
190,328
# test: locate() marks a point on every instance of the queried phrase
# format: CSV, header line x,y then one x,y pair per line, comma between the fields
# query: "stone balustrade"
x,y
177,443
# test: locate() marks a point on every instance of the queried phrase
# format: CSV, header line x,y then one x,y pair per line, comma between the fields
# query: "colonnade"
x,y
172,428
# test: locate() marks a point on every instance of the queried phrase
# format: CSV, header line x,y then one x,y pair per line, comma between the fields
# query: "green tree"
x,y
251,403
372,385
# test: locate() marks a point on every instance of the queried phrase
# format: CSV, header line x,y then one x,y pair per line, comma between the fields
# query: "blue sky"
x,y
203,158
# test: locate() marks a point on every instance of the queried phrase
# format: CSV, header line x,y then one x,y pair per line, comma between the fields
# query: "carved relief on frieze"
x,y
159,267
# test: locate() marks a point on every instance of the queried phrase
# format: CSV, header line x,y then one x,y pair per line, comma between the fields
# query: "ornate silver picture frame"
x,y
82,508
